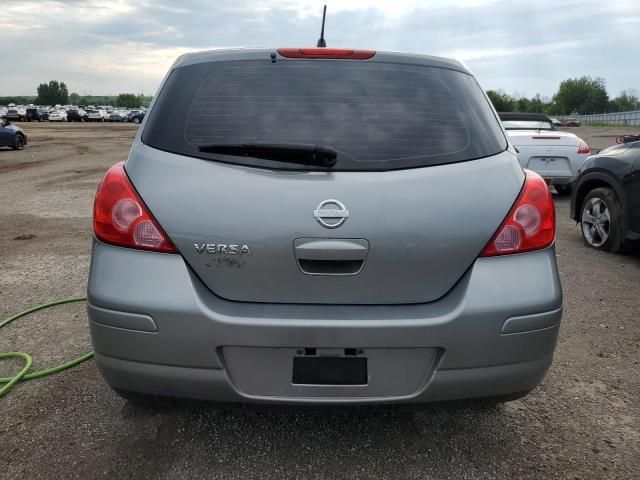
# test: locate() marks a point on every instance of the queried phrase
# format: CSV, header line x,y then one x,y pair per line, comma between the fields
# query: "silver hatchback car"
x,y
322,226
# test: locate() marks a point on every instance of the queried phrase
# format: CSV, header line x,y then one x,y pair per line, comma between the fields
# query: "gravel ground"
x,y
582,422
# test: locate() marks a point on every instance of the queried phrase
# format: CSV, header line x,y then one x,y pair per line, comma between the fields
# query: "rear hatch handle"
x,y
331,256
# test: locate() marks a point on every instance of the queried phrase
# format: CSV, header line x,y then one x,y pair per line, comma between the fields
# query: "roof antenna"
x,y
321,42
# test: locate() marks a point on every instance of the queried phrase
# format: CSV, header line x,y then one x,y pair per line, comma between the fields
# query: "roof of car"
x,y
228,54
537,117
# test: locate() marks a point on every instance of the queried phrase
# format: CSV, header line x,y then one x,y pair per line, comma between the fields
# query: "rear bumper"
x,y
157,329
214,385
555,180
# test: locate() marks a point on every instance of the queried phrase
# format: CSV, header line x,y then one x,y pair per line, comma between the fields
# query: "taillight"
x,y
328,53
121,218
531,223
583,147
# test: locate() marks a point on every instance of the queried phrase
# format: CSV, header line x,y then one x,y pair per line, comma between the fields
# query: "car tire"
x,y
136,120
602,220
18,142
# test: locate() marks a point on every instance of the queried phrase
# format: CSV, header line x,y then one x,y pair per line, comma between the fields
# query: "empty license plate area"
x,y
550,164
313,369
307,373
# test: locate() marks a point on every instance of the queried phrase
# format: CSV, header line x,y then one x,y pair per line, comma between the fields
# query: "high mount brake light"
x,y
327,53
530,224
121,218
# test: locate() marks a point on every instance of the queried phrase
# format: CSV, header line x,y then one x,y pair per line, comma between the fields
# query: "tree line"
x,y
584,95
55,92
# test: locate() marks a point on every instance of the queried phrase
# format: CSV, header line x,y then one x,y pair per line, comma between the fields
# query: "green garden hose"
x,y
23,374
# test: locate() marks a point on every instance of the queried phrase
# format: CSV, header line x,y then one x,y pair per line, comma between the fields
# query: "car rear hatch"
x,y
420,184
547,153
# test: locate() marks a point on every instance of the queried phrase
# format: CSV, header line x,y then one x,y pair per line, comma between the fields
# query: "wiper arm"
x,y
301,153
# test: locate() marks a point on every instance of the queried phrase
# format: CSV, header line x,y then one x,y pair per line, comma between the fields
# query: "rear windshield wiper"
x,y
301,153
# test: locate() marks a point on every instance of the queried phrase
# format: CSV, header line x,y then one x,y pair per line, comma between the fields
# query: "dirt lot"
x,y
599,138
582,422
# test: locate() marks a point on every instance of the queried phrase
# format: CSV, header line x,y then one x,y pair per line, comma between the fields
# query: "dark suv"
x,y
136,116
76,115
606,197
36,114
15,114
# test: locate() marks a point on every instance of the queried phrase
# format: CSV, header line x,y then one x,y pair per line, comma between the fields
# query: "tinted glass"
x,y
377,116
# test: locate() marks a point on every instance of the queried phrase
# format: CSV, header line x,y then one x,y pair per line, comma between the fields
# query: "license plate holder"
x,y
329,370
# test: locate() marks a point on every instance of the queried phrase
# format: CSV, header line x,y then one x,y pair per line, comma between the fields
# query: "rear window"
x,y
377,116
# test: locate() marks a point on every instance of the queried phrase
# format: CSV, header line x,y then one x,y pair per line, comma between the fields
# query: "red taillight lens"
x,y
121,218
583,147
328,53
531,223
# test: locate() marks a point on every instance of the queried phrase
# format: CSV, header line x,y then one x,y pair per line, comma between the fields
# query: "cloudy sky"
x,y
113,46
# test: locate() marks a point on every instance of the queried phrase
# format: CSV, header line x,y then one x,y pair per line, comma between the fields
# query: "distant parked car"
x,y
35,114
96,115
136,117
12,135
606,197
117,116
76,115
556,122
572,122
16,114
131,113
58,116
541,147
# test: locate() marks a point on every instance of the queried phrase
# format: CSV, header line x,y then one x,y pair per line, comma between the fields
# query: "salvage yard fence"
x,y
631,119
